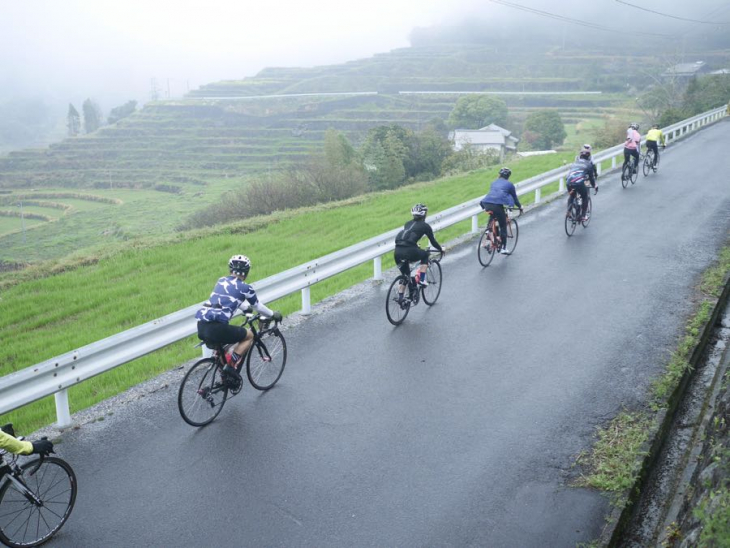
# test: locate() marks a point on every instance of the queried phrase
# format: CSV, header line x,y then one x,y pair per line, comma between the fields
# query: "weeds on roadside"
x,y
614,462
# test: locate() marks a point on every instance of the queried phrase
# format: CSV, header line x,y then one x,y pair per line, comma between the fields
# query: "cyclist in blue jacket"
x,y
502,194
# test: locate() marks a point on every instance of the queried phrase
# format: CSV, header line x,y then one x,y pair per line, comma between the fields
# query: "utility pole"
x,y
154,92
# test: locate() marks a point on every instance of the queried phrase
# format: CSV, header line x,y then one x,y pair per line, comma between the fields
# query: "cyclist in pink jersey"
x,y
632,146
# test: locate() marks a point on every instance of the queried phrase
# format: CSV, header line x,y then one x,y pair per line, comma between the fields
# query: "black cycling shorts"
x,y
220,333
409,255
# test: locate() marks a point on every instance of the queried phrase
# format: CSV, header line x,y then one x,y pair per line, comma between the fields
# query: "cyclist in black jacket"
x,y
406,246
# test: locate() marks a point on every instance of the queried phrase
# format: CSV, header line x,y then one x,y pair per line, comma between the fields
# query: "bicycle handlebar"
x,y
431,250
252,316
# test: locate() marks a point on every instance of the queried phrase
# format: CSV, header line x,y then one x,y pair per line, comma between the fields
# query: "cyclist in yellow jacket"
x,y
654,137
13,445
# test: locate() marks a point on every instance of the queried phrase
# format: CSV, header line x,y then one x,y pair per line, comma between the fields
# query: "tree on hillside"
x,y
338,173
429,149
705,93
73,121
477,111
384,154
122,111
337,149
92,116
544,130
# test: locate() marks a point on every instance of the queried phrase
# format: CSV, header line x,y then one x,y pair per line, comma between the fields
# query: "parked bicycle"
x,y
629,172
575,206
405,293
205,388
36,498
491,240
649,164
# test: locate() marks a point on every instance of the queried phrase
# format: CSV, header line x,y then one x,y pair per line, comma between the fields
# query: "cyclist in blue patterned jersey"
x,y
230,293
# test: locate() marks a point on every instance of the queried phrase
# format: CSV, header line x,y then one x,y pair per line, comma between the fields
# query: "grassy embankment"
x,y
129,287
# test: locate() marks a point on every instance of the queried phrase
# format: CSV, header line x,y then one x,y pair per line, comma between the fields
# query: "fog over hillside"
x,y
60,52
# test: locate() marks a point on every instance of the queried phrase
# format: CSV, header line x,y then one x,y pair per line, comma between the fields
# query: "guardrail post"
x,y
599,166
613,162
306,302
63,414
561,185
378,268
474,224
538,194
207,352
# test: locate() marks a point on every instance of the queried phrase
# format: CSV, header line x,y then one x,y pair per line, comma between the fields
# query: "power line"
x,y
673,16
580,22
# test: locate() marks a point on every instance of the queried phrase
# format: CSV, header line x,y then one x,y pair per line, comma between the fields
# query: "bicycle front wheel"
x,y
571,219
589,212
202,394
24,523
625,175
485,247
513,232
266,359
433,276
397,309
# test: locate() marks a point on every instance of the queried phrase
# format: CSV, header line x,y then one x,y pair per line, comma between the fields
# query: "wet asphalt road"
x,y
457,428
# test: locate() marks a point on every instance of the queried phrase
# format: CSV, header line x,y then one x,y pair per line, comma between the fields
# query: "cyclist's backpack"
x,y
405,237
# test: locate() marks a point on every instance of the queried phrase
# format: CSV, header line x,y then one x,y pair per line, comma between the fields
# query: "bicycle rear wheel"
x,y
395,310
202,394
23,523
625,175
648,163
513,233
571,218
589,212
485,247
433,276
266,359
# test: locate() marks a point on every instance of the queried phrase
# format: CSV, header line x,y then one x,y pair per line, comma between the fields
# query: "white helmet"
x,y
587,147
419,210
239,265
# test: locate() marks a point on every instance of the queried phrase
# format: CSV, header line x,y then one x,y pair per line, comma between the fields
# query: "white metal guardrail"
x,y
57,375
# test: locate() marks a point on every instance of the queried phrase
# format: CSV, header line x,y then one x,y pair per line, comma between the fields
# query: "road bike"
x,y
649,164
629,172
206,388
573,214
405,293
36,498
490,241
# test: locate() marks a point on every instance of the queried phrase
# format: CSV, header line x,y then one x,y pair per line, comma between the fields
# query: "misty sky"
x,y
71,49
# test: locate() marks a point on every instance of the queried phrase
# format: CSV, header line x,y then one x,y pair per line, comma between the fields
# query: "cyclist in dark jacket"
x,y
587,148
502,194
406,246
580,171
